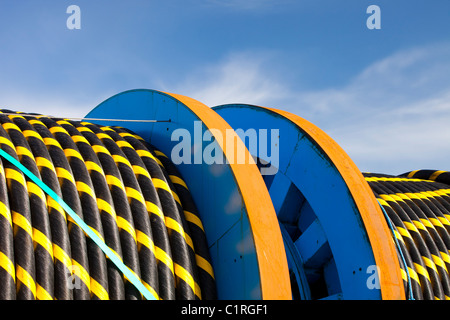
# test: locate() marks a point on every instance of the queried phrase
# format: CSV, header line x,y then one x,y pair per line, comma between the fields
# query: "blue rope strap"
x,y
108,252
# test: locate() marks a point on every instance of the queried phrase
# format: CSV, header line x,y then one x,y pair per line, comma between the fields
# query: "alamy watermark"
x,y
374,20
74,20
72,278
373,280
211,145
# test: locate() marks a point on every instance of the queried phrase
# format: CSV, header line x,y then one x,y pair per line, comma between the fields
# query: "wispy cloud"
x,y
392,117
243,77
395,115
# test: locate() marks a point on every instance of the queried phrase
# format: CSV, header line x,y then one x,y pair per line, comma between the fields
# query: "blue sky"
x,y
383,95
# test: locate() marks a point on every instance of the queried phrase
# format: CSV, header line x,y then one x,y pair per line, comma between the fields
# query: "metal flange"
x,y
338,243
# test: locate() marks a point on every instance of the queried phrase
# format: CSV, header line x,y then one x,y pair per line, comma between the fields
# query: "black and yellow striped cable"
x,y
119,187
433,175
168,180
202,257
39,225
7,263
124,217
69,242
105,205
419,208
183,257
24,261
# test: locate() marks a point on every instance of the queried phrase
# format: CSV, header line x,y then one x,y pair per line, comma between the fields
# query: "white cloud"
x,y
395,115
392,117
240,78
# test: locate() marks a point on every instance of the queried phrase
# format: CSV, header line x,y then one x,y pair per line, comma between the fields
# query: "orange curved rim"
x,y
379,234
270,251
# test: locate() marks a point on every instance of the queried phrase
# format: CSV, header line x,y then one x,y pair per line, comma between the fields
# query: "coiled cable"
x,y
117,184
420,211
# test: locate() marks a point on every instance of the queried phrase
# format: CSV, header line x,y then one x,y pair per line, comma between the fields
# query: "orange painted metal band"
x,y
379,234
270,251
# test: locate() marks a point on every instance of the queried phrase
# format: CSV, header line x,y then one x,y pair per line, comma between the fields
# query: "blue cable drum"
x,y
239,220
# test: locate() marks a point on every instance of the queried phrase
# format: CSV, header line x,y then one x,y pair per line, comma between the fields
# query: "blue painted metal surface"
x,y
212,186
324,225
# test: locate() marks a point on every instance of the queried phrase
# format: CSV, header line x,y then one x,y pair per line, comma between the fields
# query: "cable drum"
x,y
418,205
127,192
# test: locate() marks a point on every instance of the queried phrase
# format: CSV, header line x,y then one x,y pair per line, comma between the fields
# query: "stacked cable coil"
x,y
417,205
126,191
